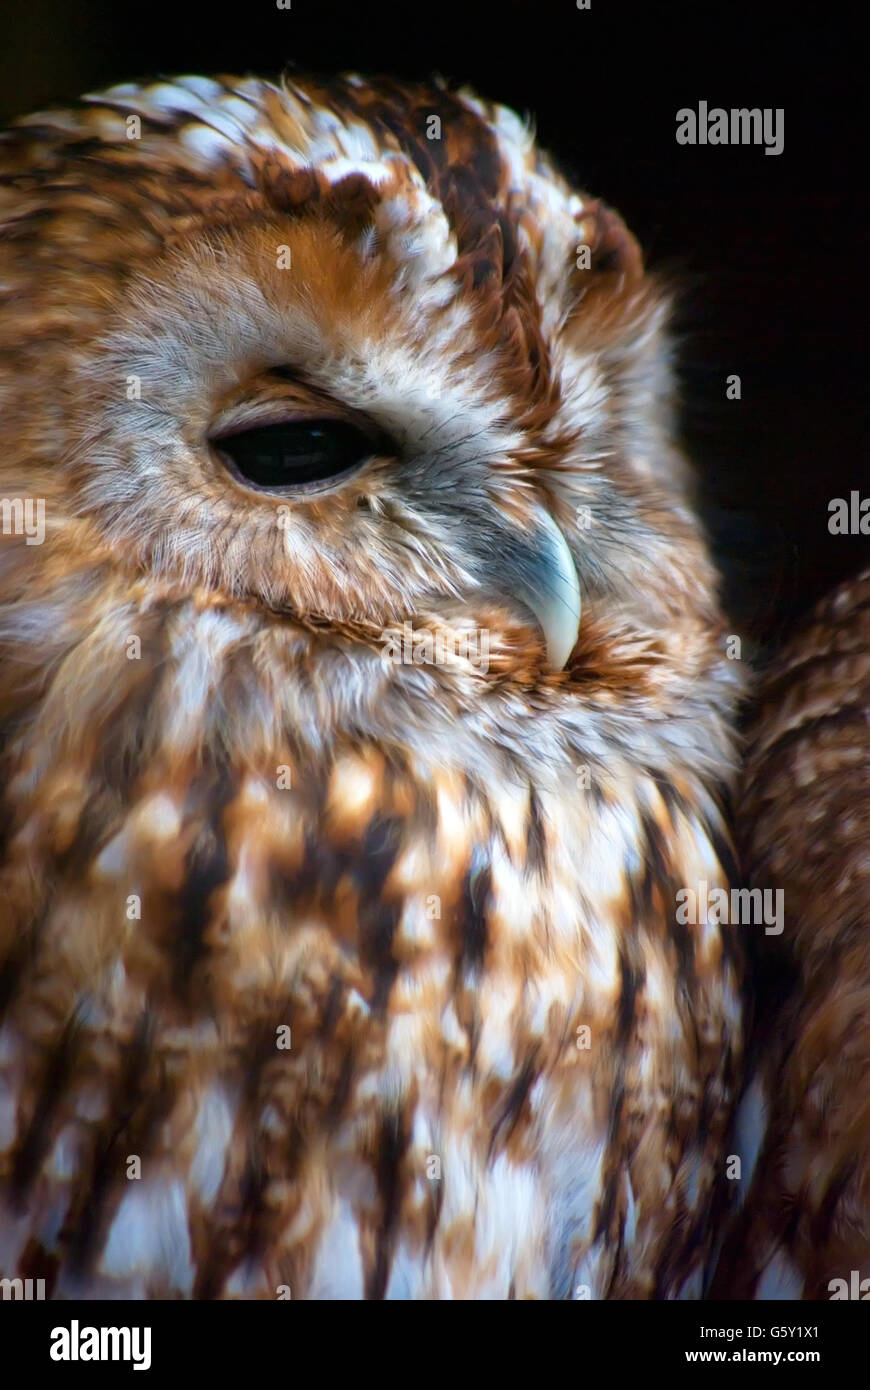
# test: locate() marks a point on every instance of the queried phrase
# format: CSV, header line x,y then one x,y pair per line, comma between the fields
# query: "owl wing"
x,y
803,1229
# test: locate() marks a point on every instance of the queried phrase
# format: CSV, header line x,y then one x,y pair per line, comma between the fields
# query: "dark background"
x,y
769,251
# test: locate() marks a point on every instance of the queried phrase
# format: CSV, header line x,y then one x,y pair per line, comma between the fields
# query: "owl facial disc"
x,y
551,589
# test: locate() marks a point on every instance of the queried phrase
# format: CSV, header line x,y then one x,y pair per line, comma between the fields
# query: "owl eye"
x,y
295,453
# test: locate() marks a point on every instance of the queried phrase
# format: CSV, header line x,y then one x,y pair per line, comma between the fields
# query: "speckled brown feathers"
x,y
320,971
804,815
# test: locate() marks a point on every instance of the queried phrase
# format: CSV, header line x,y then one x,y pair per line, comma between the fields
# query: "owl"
x,y
803,1127
365,710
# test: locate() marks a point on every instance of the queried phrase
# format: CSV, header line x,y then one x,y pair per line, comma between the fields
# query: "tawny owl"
x,y
804,818
365,708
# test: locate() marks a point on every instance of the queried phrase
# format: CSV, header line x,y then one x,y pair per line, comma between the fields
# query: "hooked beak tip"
x,y
556,600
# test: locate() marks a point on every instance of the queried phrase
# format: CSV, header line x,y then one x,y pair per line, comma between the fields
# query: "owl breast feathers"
x,y
364,709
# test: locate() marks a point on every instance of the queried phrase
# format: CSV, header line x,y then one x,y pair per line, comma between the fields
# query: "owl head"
x,y
352,352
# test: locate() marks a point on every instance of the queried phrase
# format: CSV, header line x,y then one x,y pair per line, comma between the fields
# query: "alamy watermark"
x,y
741,125
77,1343
856,1288
23,516
737,907
409,646
849,517
27,1290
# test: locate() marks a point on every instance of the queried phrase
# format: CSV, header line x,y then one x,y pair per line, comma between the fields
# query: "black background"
x,y
769,251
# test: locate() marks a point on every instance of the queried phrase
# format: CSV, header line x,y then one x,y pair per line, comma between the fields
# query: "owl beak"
x,y
551,589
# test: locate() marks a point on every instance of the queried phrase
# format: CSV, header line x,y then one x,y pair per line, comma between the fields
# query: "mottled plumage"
x,y
804,819
436,875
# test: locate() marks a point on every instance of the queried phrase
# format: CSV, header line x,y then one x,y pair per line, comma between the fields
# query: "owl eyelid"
x,y
287,413
286,417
